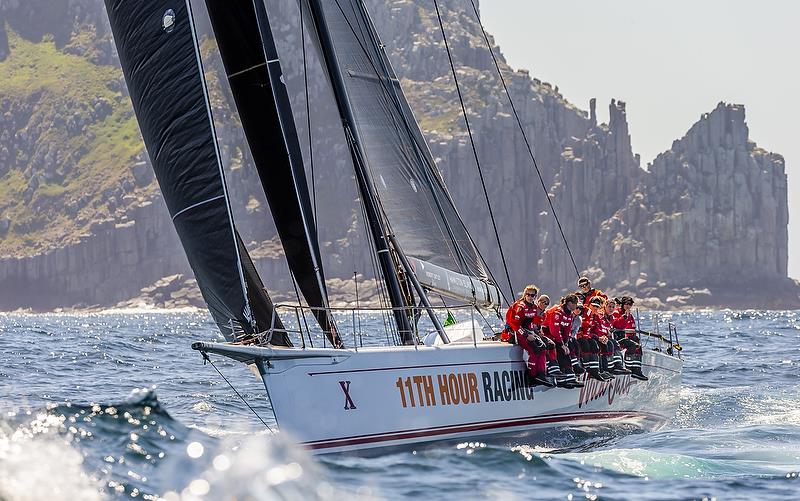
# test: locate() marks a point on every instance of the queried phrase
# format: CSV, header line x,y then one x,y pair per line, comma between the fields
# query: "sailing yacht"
x,y
455,383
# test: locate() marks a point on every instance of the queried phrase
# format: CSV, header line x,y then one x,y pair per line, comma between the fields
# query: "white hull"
x,y
343,400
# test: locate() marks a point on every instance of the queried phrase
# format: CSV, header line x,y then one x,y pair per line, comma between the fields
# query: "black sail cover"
x,y
159,57
251,63
415,202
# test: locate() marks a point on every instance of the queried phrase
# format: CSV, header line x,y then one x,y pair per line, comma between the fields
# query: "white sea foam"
x,y
36,463
255,467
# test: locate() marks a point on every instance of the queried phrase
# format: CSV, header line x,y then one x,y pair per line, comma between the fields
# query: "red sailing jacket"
x,y
559,324
623,320
521,314
600,326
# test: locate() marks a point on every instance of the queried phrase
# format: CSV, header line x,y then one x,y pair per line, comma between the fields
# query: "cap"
x,y
584,281
596,301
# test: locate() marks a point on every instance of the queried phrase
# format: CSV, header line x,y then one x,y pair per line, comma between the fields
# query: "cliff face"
x,y
82,222
711,213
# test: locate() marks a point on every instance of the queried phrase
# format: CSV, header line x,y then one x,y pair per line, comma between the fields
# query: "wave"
x,y
135,448
37,463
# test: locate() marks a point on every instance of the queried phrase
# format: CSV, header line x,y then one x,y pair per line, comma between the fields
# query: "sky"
x,y
670,62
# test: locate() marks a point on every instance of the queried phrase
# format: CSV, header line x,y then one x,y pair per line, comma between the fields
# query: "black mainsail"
x,y
245,41
158,51
414,203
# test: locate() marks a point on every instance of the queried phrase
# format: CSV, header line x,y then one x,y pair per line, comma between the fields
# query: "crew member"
x,y
579,322
559,325
612,350
521,318
589,342
625,330
586,292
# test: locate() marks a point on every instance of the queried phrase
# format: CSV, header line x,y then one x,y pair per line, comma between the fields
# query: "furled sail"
x,y
413,198
161,61
251,63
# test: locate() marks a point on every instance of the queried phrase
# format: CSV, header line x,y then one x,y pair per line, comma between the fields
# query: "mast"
x,y
369,198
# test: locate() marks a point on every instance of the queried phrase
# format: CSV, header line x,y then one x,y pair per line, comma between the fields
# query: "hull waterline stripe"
x,y
479,426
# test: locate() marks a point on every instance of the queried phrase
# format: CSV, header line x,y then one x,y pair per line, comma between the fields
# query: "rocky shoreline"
x,y
703,225
180,292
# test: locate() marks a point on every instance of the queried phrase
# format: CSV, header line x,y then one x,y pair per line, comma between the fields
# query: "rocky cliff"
x,y
709,217
82,222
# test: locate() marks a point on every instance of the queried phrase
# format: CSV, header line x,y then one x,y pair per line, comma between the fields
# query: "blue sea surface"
x,y
116,405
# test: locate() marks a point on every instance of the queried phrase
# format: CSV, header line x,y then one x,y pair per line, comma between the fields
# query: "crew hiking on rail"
x,y
585,332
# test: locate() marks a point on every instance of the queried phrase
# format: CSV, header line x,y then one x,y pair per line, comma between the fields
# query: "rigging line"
x,y
525,137
394,99
308,120
388,327
303,313
428,169
437,174
474,150
207,359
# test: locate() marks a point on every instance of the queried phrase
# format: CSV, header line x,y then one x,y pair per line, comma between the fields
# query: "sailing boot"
x,y
592,365
553,370
617,366
635,365
607,376
576,365
566,381
539,380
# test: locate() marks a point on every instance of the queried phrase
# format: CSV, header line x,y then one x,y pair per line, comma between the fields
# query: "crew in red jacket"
x,y
611,351
558,321
586,292
625,331
521,319
589,339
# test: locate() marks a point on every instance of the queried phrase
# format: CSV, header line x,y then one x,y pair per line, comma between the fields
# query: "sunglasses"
x,y
528,294
544,302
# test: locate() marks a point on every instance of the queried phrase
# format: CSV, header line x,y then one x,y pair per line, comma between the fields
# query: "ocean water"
x,y
116,405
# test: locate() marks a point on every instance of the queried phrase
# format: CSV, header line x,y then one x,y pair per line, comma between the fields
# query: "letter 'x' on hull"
x,y
389,397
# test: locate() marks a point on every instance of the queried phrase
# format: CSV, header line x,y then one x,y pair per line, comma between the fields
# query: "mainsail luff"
x,y
158,52
253,69
366,188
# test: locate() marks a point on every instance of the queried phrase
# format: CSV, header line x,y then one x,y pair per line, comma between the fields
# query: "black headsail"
x,y
161,61
414,202
251,63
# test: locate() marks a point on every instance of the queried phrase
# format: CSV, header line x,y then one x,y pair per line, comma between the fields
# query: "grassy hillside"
x,y
69,139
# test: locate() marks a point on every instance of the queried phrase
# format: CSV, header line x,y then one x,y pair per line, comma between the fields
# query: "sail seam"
x,y
196,205
248,311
